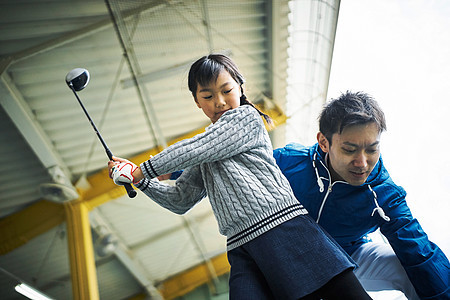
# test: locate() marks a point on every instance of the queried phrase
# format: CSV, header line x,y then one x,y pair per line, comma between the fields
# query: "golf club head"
x,y
78,79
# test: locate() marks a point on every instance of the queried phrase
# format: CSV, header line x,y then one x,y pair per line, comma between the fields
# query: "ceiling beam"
x,y
21,115
19,228
125,39
207,24
79,34
187,281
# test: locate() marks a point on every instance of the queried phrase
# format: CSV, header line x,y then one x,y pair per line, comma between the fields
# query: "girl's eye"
x,y
207,97
228,91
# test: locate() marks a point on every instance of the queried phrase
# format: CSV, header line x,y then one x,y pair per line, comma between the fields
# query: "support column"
x,y
81,251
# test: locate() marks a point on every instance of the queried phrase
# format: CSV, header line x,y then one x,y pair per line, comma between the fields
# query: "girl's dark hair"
x,y
208,68
348,110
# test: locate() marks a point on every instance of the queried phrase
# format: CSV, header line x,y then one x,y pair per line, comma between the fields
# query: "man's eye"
x,y
348,150
372,151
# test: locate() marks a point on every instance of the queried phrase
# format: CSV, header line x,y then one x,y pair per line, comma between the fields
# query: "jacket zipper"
x,y
329,189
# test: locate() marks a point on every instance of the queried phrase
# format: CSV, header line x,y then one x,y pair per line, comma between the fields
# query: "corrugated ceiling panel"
x,y
152,219
42,262
116,282
169,34
21,173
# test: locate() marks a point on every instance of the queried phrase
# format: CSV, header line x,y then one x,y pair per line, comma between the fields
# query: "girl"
x,y
275,250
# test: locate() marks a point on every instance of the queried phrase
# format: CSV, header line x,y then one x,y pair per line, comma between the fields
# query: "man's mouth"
x,y
358,173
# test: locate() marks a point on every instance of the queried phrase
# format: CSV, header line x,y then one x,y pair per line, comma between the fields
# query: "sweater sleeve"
x,y
238,130
426,265
179,198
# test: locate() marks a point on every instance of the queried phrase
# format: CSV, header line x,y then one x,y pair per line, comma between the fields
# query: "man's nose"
x,y
360,160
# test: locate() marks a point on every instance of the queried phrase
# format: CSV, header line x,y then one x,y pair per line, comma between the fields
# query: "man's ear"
x,y
323,142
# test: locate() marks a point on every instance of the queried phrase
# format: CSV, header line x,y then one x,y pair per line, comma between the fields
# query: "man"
x,y
344,185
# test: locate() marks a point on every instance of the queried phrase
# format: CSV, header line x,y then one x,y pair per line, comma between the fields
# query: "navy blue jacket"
x,y
349,213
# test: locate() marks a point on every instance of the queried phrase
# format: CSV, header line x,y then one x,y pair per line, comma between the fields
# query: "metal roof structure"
x,y
65,228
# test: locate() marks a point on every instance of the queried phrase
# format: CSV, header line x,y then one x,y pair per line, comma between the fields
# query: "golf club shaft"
x,y
130,191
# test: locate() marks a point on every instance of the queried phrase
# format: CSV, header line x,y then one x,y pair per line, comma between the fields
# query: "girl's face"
x,y
218,97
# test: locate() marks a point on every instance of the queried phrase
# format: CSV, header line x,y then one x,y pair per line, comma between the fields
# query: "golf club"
x,y
77,79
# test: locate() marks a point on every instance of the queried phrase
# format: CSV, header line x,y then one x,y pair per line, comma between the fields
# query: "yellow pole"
x,y
81,251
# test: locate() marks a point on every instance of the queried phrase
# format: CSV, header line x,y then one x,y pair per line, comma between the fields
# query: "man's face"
x,y
353,154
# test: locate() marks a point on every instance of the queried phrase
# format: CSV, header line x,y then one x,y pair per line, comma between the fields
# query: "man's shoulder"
x,y
294,149
292,154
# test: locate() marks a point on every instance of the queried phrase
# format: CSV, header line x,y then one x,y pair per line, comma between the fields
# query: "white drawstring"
x,y
378,208
319,180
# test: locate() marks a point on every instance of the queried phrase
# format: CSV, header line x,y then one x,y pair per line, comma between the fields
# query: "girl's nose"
x,y
220,102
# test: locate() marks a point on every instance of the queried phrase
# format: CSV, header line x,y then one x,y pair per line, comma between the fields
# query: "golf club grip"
x,y
130,191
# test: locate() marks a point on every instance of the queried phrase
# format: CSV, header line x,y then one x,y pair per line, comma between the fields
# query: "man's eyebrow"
x,y
208,90
356,146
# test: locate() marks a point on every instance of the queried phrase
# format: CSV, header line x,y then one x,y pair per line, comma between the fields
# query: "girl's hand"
x,y
124,171
114,162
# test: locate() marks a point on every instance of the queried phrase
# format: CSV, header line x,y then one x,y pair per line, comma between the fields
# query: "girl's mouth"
x,y
222,112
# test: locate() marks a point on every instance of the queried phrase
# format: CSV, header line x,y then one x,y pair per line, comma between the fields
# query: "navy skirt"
x,y
289,261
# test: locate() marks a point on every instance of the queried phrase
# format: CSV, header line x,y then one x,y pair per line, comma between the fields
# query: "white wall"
x,y
399,52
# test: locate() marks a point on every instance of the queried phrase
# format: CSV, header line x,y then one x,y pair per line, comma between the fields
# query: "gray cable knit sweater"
x,y
232,163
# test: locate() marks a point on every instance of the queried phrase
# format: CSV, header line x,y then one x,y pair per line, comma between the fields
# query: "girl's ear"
x,y
196,102
323,142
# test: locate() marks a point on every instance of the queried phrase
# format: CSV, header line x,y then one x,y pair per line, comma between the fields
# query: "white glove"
x,y
123,173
